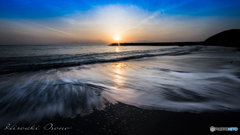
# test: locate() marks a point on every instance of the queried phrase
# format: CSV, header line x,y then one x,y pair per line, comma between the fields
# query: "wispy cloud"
x,y
142,22
49,28
155,14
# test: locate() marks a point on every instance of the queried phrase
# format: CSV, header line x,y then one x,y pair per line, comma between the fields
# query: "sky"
x,y
46,22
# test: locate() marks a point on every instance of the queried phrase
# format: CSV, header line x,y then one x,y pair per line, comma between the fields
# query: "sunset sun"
x,y
117,38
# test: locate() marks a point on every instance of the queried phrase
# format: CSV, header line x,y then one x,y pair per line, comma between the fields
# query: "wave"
x,y
29,97
38,96
36,63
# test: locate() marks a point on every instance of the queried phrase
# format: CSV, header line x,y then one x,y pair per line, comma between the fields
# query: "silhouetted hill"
x,y
225,37
229,38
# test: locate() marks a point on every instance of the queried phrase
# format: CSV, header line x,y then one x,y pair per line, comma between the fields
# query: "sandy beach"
x,y
125,119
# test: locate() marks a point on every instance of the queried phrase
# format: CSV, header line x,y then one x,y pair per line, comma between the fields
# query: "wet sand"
x,y
124,119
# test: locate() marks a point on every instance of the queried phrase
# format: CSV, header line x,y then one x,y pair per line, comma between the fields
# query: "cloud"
x,y
108,19
141,22
155,14
49,28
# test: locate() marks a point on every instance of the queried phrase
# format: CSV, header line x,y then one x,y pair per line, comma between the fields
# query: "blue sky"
x,y
56,8
37,18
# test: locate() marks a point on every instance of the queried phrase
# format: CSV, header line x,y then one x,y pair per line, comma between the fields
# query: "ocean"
x,y
69,80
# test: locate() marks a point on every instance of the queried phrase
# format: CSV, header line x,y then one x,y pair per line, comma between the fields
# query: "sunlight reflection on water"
x,y
117,49
118,74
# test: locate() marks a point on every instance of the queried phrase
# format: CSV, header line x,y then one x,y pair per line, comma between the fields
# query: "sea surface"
x,y
69,80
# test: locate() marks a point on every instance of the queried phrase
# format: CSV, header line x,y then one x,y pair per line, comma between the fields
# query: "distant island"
x,y
229,38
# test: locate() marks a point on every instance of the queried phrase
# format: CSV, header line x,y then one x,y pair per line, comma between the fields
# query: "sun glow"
x,y
117,38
